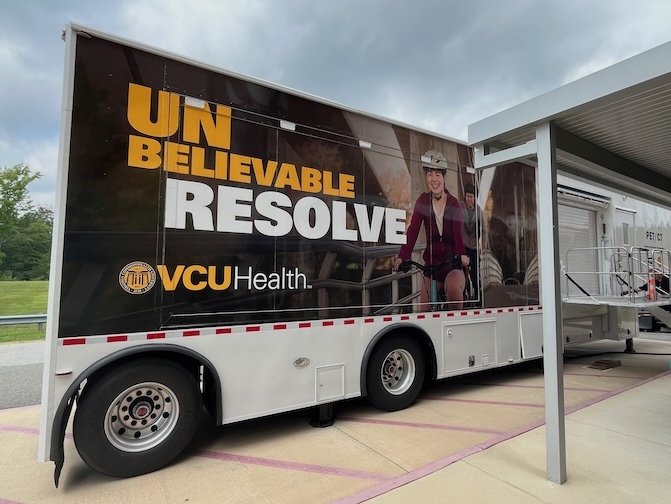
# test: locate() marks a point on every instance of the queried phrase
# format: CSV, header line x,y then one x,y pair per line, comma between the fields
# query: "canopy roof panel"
x,y
613,126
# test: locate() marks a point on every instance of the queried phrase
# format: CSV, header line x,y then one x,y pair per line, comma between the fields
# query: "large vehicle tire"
x,y
137,418
395,373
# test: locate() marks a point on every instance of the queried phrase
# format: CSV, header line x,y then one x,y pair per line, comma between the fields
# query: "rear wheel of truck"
x,y
137,418
395,373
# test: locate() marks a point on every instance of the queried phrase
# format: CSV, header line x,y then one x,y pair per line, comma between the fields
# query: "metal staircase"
x,y
605,301
660,314
620,277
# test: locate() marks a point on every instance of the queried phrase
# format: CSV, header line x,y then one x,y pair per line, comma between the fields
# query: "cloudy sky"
x,y
436,64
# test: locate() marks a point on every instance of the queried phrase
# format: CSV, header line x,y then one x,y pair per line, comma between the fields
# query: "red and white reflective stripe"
x,y
314,324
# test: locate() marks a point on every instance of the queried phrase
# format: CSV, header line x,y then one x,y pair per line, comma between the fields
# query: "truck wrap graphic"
x,y
196,198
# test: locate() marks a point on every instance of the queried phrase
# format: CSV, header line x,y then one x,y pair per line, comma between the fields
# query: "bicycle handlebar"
x,y
429,268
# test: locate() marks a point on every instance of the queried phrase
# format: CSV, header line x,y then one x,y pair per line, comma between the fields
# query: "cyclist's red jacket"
x,y
438,247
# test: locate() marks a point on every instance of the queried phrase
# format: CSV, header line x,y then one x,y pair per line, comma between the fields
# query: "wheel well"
x,y
201,369
187,361
411,331
191,360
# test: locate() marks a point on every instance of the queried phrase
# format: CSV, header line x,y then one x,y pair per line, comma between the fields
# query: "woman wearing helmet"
x,y
440,214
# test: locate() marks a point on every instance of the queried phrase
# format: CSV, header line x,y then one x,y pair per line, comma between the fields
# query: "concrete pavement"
x,y
618,452
477,439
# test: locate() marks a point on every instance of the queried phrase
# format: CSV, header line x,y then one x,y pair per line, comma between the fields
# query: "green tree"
x,y
27,254
14,201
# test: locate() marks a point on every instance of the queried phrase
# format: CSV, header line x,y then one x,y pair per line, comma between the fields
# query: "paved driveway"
x,y
366,453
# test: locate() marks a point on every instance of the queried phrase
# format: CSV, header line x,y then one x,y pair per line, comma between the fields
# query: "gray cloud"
x,y
435,64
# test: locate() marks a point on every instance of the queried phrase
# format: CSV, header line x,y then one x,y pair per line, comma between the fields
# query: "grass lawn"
x,y
22,298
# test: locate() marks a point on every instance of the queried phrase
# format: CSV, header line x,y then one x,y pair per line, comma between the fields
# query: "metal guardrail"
x,y
40,320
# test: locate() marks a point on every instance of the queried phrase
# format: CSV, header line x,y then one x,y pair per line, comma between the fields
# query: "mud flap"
x,y
59,458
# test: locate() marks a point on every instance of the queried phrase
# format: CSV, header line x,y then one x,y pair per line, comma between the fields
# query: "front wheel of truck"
x,y
137,417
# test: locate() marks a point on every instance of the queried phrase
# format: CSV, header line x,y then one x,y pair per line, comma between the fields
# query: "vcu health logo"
x,y
137,277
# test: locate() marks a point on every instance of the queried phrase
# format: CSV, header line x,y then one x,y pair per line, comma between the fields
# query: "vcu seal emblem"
x,y
137,277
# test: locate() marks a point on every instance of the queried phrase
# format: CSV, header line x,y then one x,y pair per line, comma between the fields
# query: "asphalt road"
x,y
21,366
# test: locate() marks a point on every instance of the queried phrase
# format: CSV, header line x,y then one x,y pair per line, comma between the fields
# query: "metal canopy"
x,y
612,128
